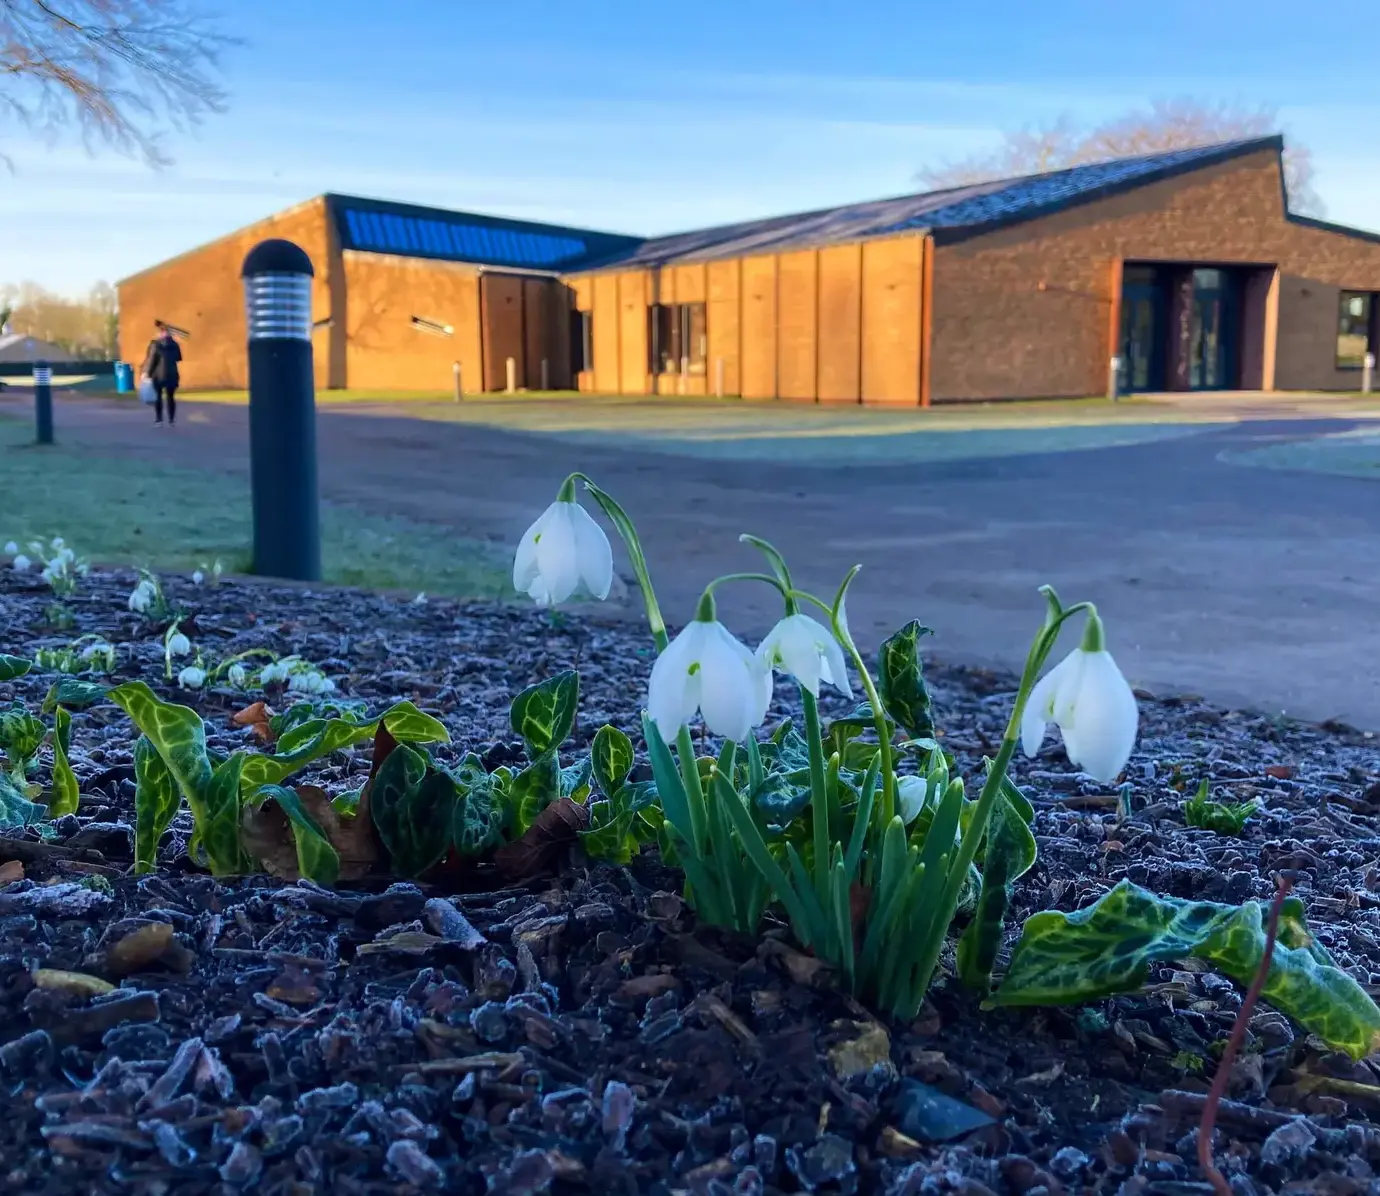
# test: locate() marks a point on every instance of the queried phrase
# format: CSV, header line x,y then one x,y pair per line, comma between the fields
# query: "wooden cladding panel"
x,y
689,284
584,293
797,326
891,281
722,312
632,333
758,369
604,294
840,329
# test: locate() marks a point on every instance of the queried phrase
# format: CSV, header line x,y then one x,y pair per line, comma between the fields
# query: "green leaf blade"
x,y
156,802
903,692
544,714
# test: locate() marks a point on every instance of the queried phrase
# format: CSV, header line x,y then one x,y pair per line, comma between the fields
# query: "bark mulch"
x,y
580,1033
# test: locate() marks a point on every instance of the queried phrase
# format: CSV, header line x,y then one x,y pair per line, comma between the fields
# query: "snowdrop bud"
x,y
178,644
11,548
198,577
1087,697
808,651
216,570
237,675
58,543
561,552
21,563
47,573
140,599
100,646
910,797
705,669
191,677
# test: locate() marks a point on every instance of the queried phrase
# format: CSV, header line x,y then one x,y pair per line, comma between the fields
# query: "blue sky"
x,y
646,118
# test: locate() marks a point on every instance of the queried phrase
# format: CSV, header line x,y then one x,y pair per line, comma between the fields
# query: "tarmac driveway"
x,y
1253,587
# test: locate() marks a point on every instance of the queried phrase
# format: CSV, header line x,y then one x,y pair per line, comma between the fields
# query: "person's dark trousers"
x,y
159,391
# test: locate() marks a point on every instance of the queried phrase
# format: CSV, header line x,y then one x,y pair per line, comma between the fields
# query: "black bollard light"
x,y
282,411
43,401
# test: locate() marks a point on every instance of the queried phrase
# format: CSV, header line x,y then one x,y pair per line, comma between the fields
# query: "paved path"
x,y
1253,587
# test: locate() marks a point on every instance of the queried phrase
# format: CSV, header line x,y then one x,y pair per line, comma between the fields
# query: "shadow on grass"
x,y
134,513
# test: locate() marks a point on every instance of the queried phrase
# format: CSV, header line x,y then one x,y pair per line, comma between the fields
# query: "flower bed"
x,y
578,1028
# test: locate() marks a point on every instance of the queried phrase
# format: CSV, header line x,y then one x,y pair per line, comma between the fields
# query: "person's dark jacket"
x,y
160,364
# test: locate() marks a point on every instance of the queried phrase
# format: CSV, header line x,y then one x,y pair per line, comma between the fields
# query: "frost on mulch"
x,y
580,1033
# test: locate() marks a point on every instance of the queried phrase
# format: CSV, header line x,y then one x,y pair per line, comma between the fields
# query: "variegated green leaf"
x,y
66,794
1110,946
532,790
480,810
220,828
903,691
413,809
21,735
12,667
156,801
544,714
73,693
1010,854
575,780
612,758
16,810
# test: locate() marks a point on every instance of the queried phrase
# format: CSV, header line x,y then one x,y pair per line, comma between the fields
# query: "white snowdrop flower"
x,y
141,597
808,651
1087,697
11,548
47,573
191,677
179,644
237,675
216,570
419,600
100,647
21,563
198,577
705,669
910,797
563,551
58,543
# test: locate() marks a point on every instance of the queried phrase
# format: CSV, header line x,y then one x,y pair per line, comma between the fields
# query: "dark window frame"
x,y
677,333
581,342
1347,326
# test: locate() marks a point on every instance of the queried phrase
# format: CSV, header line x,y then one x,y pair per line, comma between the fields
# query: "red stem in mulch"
x,y
1238,1035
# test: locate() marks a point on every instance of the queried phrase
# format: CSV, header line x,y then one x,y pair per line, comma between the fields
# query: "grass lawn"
x,y
116,512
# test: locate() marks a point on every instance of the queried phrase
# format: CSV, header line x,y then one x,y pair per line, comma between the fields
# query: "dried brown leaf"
x,y
256,717
267,834
556,829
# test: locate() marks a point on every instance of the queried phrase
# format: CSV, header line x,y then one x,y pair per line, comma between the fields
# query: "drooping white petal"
x,y
910,797
835,670
558,559
1104,720
673,691
594,552
525,559
799,651
1039,707
731,685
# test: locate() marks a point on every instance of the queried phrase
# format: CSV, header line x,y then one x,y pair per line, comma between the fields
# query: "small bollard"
x,y
1114,379
459,385
282,411
512,376
718,377
1367,373
43,402
545,374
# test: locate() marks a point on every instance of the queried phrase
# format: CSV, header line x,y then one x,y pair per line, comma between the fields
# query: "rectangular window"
x,y
1353,329
581,341
678,338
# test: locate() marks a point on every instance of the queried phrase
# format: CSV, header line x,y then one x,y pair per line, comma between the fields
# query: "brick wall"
x,y
997,335
201,292
383,349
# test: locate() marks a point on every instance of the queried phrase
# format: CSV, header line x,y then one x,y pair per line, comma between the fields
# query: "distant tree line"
x,y
87,329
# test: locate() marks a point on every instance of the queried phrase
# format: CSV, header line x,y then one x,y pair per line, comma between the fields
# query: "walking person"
x,y
161,368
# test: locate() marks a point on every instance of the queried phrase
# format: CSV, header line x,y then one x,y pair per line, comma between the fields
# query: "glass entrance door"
x,y
1142,330
1212,348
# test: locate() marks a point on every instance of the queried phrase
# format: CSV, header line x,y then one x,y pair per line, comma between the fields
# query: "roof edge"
x,y
292,209
1225,153
334,198
1327,226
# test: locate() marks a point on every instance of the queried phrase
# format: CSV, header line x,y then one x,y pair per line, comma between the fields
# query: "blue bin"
x,y
124,378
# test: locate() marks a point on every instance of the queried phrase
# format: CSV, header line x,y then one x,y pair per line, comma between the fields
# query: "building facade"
x,y
1176,271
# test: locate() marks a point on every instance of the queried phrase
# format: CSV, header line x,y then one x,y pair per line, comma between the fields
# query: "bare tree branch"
x,y
123,71
1166,125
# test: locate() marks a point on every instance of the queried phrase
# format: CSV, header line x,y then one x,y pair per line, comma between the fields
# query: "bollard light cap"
x,y
276,256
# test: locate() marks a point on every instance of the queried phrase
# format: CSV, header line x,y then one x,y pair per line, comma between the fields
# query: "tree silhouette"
x,y
1165,125
122,71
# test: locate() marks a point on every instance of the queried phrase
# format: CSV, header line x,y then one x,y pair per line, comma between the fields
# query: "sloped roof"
x,y
21,347
380,226
954,211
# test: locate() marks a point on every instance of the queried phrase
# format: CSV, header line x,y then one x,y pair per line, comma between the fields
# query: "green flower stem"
x,y
996,775
819,792
619,518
